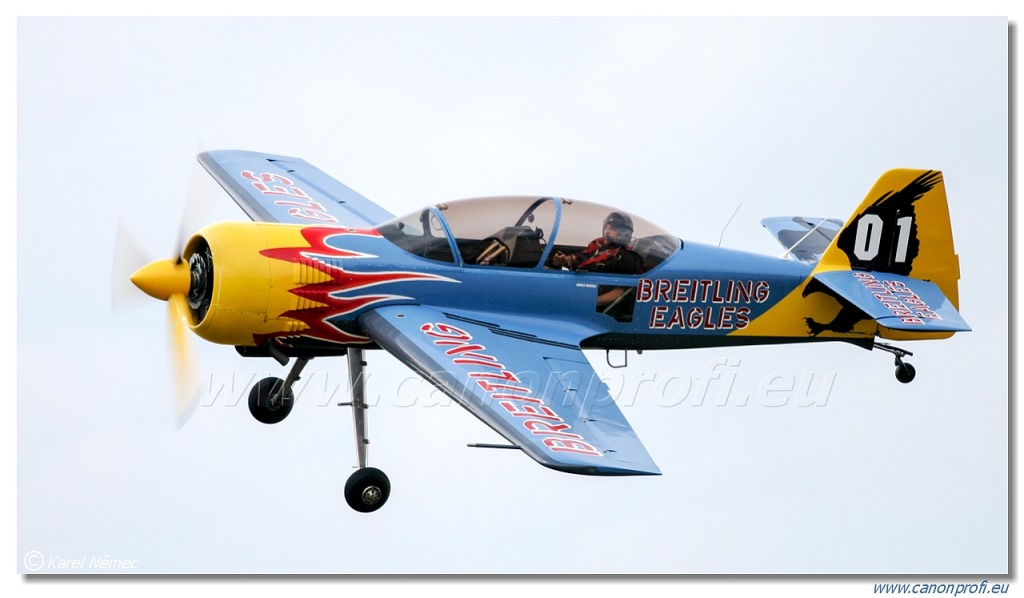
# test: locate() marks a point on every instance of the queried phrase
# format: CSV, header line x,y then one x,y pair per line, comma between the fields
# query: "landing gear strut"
x,y
368,488
904,371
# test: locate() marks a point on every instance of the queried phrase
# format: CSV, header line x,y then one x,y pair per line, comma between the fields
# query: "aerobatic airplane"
x,y
494,300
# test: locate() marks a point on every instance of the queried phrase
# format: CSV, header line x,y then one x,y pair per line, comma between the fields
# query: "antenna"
x,y
727,222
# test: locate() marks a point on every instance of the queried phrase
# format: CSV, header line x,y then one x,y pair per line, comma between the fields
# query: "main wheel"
x,y
367,490
905,372
265,409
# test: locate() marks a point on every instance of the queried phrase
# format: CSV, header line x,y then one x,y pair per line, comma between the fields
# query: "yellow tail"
x,y
899,238
901,227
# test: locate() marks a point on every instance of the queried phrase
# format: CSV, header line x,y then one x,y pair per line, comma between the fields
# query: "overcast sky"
x,y
679,120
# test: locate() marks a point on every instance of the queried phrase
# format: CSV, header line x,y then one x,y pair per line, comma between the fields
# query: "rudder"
x,y
902,227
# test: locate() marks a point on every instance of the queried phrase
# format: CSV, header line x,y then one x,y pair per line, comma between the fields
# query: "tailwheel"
x,y
267,403
367,489
904,371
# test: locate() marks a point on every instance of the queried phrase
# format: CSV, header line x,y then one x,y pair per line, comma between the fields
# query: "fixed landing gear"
x,y
368,488
905,372
271,400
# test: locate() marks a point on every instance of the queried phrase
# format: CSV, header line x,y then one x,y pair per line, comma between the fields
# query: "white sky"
x,y
678,120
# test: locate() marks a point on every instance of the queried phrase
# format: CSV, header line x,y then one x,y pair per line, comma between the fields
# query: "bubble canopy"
x,y
518,232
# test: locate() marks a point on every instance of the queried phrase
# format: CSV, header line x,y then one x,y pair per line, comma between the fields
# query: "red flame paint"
x,y
320,256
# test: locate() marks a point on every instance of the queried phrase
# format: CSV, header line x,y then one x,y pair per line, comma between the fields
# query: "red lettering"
x,y
657,315
661,292
705,285
470,351
709,323
539,419
761,291
307,214
571,446
541,411
259,181
741,291
488,364
540,428
715,296
265,177
309,203
680,294
677,319
644,290
502,375
445,331
489,387
725,317
306,210
499,396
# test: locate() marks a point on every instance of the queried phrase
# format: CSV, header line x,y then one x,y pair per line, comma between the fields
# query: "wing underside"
x,y
538,391
273,188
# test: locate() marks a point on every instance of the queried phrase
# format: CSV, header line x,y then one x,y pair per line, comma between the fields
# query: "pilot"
x,y
609,253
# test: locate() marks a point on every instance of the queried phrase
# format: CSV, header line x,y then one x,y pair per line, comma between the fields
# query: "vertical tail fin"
x,y
902,227
890,271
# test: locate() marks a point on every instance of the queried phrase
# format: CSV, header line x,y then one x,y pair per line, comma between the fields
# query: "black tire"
x,y
905,373
260,405
367,490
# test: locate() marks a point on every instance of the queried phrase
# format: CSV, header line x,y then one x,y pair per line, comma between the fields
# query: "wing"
x,y
538,391
805,239
279,189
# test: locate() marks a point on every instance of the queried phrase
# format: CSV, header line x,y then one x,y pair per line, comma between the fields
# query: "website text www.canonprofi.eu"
x,y
720,382
943,588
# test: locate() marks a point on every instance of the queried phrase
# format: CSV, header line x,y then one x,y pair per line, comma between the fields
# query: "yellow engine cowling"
x,y
246,292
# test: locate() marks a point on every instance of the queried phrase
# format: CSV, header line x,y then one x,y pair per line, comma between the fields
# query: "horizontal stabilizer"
x,y
805,239
895,301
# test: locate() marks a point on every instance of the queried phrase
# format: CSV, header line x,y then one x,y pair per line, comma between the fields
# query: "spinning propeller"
x,y
184,282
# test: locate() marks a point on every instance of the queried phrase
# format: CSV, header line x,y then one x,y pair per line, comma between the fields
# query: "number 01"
x,y
870,233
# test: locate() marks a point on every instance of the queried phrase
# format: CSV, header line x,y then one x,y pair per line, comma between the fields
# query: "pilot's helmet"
x,y
618,229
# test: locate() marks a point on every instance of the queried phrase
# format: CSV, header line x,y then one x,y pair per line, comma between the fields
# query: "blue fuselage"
x,y
698,296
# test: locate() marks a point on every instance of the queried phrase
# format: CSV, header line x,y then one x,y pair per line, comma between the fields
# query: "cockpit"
x,y
518,232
